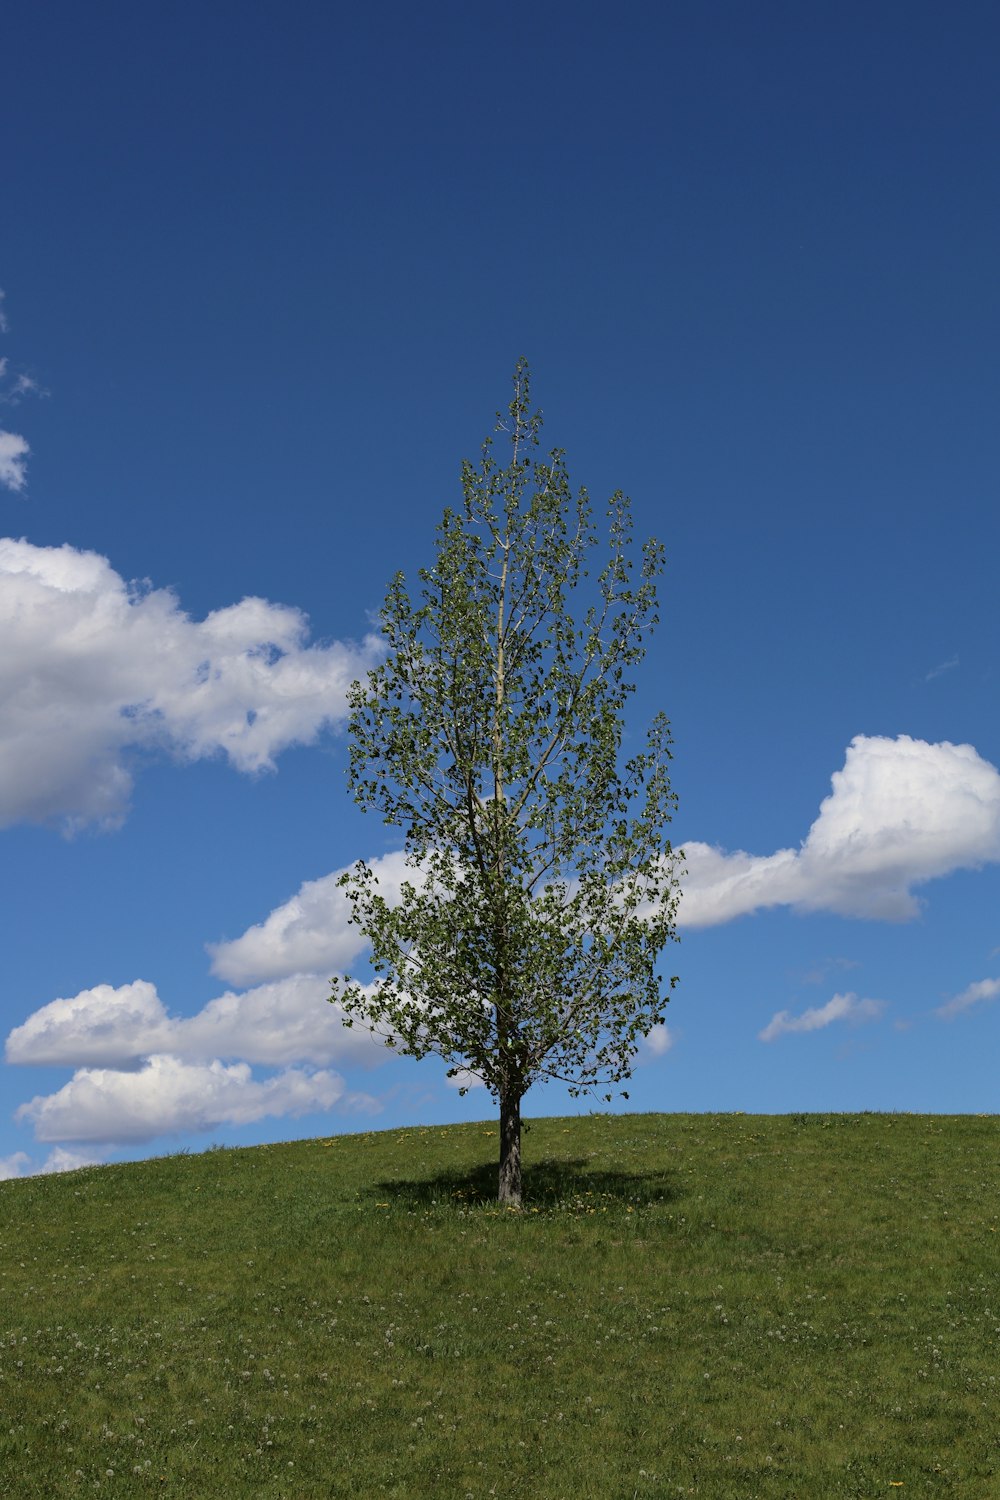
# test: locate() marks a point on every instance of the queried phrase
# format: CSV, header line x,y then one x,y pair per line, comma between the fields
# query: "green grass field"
x,y
711,1305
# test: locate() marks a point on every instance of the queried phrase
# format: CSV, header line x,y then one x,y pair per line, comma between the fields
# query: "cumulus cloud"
x,y
141,1072
288,1021
168,1095
980,993
14,1166
273,1025
840,1008
102,1025
716,886
901,812
311,933
94,671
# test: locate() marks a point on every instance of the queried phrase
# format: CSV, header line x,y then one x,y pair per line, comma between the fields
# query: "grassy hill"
x,y
710,1305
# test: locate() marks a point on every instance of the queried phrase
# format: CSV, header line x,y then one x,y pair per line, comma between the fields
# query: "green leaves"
x,y
543,887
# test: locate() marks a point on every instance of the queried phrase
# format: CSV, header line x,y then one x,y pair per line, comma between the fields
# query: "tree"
x,y
525,944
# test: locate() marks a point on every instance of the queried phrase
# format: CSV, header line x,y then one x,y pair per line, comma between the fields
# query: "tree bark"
x,y
510,1150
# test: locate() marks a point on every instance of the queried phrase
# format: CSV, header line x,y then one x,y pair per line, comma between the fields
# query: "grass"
x,y
711,1305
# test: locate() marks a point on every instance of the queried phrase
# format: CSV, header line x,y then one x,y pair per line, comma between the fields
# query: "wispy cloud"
x,y
821,971
21,386
659,1041
13,461
14,449
939,671
841,1008
980,993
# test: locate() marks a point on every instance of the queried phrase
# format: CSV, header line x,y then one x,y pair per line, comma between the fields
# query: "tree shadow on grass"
x,y
568,1183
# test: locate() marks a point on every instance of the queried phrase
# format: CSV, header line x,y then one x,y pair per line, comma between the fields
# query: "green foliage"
x,y
543,889
708,1305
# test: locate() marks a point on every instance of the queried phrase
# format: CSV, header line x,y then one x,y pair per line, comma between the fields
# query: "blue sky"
x,y
267,272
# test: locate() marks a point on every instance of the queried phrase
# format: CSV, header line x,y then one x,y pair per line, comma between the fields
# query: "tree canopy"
x,y
541,888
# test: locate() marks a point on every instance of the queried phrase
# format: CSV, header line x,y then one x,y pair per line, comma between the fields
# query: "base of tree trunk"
x,y
510,1153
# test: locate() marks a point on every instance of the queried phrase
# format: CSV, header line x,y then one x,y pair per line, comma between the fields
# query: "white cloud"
x,y
276,1024
93,670
59,1159
840,1008
20,386
13,456
311,933
141,1072
287,1021
901,812
659,1041
168,1095
69,1159
941,668
716,886
100,1026
13,448
463,1079
980,993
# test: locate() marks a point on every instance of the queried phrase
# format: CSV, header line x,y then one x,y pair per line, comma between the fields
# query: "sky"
x,y
267,272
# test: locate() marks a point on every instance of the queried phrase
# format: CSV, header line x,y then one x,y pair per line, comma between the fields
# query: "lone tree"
x,y
525,944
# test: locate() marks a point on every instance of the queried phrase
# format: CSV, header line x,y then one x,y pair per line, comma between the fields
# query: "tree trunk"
x,y
510,1150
